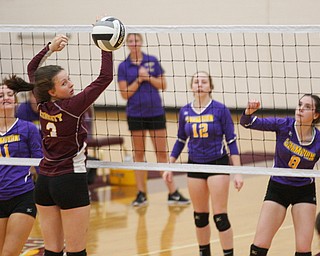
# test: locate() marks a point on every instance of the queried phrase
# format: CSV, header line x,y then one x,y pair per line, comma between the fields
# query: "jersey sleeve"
x,y
35,143
78,104
122,76
228,128
36,62
182,137
261,124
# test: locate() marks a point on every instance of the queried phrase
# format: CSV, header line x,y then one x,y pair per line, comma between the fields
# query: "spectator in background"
x,y
140,78
18,138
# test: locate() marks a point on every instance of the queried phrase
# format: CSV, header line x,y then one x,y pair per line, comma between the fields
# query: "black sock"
x,y
228,252
50,253
204,250
82,253
257,251
303,254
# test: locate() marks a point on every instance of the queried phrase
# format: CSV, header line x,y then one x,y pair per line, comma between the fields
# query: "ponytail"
x,y
17,84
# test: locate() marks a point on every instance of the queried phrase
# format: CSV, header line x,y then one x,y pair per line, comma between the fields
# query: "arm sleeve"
x,y
82,101
182,137
228,128
35,143
261,124
36,61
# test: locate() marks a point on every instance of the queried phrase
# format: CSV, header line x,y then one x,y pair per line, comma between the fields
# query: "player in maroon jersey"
x,y
61,191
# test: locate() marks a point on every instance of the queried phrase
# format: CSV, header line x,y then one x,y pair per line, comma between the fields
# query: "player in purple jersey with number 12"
x,y
207,125
61,192
18,138
297,147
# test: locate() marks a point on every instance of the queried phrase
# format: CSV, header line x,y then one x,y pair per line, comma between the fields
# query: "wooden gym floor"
x,y
117,229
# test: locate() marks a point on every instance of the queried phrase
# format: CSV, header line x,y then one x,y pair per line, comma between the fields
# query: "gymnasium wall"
x,y
187,12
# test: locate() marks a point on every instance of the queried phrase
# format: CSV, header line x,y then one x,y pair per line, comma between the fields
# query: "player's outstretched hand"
x,y
58,43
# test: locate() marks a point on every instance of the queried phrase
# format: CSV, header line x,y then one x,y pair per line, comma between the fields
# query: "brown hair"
x,y
43,78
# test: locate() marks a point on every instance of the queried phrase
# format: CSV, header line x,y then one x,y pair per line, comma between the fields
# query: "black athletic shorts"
x,y
67,191
203,175
19,204
286,194
146,123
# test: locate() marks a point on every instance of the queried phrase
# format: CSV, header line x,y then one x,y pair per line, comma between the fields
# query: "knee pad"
x,y
82,253
221,221
50,253
303,254
201,219
258,251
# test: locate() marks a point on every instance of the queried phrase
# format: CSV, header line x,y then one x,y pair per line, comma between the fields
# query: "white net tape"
x,y
246,170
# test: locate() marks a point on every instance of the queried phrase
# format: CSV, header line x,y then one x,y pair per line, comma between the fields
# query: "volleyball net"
x,y
275,64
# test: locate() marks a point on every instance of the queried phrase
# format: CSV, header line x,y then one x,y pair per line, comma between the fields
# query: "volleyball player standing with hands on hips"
x,y
140,78
61,191
206,122
18,138
297,147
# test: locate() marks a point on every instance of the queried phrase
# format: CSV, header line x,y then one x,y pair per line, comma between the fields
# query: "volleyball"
x,y
108,33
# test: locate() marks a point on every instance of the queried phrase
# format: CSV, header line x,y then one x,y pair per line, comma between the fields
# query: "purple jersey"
x,y
146,101
289,151
21,140
62,125
206,132
25,112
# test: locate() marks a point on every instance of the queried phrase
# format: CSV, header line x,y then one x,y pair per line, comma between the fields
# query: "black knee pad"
x,y
222,221
258,251
201,219
303,254
82,253
50,253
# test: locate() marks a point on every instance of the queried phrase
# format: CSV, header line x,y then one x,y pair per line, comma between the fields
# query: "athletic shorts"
x,y
19,204
203,175
286,194
67,191
146,123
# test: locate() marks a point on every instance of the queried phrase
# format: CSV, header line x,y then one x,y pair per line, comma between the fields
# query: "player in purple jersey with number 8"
x,y
18,138
61,191
297,147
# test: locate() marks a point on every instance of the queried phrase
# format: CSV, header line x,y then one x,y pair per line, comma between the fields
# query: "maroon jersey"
x,y
64,132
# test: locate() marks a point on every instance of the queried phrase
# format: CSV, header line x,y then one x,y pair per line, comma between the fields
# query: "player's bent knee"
x,y
201,219
222,221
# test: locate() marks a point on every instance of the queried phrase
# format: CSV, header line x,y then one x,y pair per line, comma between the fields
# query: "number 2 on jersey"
x,y
200,130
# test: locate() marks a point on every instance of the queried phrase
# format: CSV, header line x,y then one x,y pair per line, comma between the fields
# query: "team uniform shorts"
x,y
67,191
286,194
202,175
23,203
146,123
